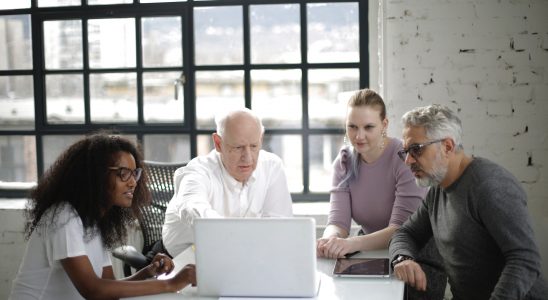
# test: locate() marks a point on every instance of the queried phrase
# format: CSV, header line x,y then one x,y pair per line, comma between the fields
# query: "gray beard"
x,y
435,178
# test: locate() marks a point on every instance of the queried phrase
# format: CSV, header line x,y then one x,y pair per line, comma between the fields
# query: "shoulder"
x,y
269,160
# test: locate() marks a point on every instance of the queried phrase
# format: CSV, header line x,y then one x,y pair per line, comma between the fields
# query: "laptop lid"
x,y
256,257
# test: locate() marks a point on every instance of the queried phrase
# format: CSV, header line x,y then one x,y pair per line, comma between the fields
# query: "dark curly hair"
x,y
80,177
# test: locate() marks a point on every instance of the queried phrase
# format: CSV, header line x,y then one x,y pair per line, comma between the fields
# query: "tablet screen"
x,y
362,267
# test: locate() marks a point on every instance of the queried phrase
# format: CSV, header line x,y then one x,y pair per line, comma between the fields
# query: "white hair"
x,y
220,119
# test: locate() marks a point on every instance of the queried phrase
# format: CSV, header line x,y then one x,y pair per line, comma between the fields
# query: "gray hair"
x,y
438,121
220,119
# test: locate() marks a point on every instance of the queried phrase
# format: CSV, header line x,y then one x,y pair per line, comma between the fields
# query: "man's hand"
x,y
411,273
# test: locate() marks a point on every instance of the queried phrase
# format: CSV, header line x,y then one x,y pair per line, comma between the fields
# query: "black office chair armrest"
x,y
130,255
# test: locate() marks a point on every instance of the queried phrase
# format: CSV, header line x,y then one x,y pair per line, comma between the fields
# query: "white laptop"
x,y
253,257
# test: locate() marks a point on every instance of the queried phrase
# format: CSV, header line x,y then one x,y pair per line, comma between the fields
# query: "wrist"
x,y
400,258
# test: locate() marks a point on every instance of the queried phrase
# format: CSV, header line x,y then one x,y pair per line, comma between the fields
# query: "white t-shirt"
x,y
205,189
41,275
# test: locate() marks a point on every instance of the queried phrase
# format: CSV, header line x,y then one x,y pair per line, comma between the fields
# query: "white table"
x,y
331,288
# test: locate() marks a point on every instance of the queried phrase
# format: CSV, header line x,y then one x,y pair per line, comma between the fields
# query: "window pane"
x,y
65,99
322,151
15,42
18,158
333,32
14,4
54,145
167,147
111,43
96,2
217,91
16,102
289,148
218,35
113,97
275,34
49,3
159,102
273,92
162,38
328,94
205,144
158,1
63,44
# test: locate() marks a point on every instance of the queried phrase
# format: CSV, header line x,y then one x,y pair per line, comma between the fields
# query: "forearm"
x,y
334,230
115,289
376,240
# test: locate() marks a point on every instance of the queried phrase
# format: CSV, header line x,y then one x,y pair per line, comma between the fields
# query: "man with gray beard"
x,y
476,211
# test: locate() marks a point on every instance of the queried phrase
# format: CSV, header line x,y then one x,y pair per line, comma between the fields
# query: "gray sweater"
x,y
483,231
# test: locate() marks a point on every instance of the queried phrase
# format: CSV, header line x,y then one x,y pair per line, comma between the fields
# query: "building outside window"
x,y
158,71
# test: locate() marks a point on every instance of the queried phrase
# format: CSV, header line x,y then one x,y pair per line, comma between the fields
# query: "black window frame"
x,y
139,129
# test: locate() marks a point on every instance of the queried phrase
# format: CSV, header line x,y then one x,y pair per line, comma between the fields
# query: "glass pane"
x,y
333,32
15,42
328,94
322,152
14,4
160,104
167,147
162,38
275,34
16,102
65,99
111,43
99,2
218,35
289,148
205,144
273,92
217,91
49,3
54,145
63,44
113,97
18,158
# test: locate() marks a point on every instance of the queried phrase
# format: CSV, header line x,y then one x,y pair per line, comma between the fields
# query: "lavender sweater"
x,y
384,193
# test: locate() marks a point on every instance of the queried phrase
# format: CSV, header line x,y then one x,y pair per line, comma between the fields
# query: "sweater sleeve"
x,y
502,208
414,233
340,198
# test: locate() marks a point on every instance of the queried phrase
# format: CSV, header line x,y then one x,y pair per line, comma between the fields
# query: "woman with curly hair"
x,y
78,212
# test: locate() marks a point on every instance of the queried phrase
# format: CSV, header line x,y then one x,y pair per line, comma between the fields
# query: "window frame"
x,y
137,10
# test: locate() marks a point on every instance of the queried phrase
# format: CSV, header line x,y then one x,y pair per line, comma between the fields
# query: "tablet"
x,y
362,267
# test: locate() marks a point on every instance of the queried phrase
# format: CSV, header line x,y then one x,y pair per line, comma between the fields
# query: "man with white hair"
x,y
475,210
236,179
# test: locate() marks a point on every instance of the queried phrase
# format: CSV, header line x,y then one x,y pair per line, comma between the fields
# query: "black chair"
x,y
160,183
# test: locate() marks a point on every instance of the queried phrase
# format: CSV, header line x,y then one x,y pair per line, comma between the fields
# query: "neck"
x,y
456,167
374,154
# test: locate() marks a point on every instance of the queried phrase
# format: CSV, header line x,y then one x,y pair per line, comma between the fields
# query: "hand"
x,y
411,273
333,247
161,264
183,278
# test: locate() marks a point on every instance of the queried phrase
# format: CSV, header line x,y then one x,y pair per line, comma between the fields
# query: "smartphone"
x,y
362,267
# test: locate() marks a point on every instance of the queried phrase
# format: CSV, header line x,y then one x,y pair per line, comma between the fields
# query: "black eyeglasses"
x,y
125,173
415,150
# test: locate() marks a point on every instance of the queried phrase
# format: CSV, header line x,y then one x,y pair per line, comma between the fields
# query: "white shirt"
x,y
204,189
41,275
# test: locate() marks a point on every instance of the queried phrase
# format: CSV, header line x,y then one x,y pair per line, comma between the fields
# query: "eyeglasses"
x,y
415,150
125,173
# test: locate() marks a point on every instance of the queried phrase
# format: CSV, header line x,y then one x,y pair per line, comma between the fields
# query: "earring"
x,y
383,136
345,140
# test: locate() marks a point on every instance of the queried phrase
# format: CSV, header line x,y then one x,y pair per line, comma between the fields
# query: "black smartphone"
x,y
362,267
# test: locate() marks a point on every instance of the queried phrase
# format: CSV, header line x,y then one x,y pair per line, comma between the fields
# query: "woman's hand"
x,y
333,247
161,264
183,278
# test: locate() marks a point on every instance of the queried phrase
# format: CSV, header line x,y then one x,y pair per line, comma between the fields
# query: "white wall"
x,y
487,60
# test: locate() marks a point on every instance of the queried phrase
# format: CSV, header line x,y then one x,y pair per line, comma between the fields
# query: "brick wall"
x,y
487,60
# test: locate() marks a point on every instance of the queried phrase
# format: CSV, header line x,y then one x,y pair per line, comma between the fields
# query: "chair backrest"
x,y
160,175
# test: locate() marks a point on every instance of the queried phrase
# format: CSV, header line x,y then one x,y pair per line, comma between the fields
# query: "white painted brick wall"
x,y
488,60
